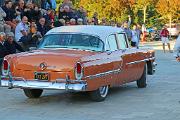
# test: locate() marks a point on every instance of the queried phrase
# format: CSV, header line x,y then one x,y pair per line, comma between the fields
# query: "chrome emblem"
x,y
43,66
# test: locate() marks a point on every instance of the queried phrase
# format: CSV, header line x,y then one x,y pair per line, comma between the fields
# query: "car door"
x,y
128,55
113,55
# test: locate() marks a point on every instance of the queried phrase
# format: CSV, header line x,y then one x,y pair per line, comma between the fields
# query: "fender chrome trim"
x,y
103,74
139,61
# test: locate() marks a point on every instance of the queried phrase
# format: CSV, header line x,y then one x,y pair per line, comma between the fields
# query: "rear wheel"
x,y
33,93
100,94
141,83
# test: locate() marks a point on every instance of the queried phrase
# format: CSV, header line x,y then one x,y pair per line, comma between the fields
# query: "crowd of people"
x,y
30,21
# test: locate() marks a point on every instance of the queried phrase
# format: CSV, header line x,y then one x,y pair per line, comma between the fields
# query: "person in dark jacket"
x,y
66,14
3,50
41,26
10,14
12,45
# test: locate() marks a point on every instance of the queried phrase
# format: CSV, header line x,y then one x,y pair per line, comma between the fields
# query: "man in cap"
x,y
12,45
164,37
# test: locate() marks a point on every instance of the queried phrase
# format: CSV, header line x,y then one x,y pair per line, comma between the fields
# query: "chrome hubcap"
x,y
103,90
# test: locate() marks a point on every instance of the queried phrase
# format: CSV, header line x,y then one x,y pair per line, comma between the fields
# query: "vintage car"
x,y
78,58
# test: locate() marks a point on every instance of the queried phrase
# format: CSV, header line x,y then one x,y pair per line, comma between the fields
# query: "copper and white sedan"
x,y
78,58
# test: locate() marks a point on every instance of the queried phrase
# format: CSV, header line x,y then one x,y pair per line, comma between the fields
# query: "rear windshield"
x,y
72,41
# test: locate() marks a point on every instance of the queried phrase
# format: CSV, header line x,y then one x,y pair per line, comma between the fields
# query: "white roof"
x,y
101,31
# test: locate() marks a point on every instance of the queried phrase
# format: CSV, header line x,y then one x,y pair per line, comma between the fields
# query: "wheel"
x,y
99,94
33,93
141,83
151,68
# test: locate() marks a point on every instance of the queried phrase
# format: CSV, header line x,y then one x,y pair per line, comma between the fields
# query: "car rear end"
x,y
43,75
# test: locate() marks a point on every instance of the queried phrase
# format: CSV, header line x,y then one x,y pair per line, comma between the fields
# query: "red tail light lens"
x,y
78,68
5,65
78,71
5,68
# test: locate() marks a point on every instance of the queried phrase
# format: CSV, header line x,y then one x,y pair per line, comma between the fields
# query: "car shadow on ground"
x,y
77,97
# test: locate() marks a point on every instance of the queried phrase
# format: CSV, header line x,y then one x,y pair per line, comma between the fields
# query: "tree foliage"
x,y
118,10
169,8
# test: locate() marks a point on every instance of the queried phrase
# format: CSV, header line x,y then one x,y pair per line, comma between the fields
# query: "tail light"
x,y
78,71
5,68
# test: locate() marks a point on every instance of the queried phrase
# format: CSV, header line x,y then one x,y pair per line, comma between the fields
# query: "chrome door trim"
x,y
139,61
103,74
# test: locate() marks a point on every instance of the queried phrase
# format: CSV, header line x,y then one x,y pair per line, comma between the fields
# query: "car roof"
x,y
100,31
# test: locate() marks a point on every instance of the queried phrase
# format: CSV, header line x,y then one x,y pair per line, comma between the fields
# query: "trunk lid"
x,y
54,60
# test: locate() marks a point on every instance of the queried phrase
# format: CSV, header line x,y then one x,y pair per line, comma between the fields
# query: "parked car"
x,y
79,58
174,29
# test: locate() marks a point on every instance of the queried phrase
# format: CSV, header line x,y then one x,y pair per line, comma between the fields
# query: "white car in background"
x,y
174,29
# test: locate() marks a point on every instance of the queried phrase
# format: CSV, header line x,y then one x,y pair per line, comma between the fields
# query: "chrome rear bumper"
x,y
59,84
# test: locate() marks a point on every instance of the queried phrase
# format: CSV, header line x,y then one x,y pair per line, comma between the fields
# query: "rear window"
x,y
72,41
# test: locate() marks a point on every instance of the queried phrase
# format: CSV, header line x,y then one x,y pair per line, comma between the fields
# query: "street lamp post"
x,y
170,16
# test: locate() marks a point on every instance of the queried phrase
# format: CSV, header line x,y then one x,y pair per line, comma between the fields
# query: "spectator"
x,y
21,7
144,32
104,21
81,13
22,33
95,17
3,50
66,3
10,14
113,23
41,27
28,11
3,26
164,37
80,21
177,48
17,13
12,45
62,22
127,30
90,21
36,14
66,14
73,21
134,40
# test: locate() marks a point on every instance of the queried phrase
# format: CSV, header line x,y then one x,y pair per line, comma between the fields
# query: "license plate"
x,y
41,76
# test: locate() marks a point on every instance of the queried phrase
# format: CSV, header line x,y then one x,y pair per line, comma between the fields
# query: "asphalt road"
x,y
159,101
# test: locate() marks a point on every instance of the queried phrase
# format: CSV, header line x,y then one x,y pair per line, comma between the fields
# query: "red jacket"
x,y
164,33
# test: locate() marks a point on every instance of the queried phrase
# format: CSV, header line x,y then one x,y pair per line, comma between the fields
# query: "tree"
x,y
169,9
111,9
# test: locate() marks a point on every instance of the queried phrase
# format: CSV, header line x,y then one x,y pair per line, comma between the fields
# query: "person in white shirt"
x,y
177,48
22,33
134,40
22,29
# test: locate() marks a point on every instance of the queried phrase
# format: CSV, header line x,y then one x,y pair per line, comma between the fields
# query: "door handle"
x,y
109,52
